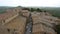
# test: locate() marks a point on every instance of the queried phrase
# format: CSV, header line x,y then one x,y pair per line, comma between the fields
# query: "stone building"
x,y
43,23
9,15
12,22
25,13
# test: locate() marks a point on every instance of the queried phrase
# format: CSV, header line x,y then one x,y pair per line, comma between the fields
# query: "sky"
x,y
25,3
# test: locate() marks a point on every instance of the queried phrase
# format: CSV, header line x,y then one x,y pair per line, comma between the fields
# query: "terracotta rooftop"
x,y
8,14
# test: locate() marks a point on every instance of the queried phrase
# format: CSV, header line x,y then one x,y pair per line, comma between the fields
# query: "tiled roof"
x,y
8,14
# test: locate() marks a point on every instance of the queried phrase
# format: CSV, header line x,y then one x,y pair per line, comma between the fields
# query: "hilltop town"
x,y
16,20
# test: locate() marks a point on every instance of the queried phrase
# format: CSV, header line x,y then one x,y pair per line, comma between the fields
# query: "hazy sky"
x,y
45,3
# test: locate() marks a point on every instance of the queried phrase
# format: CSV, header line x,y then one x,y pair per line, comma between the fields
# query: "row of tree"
x,y
38,10
33,9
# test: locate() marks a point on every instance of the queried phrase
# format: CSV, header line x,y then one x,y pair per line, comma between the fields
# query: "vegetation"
x,y
33,9
4,8
58,29
2,11
39,10
55,11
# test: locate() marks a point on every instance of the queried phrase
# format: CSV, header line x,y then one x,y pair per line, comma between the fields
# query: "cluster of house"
x,y
44,23
9,15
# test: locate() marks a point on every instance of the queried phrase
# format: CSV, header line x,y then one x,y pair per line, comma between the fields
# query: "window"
x,y
8,30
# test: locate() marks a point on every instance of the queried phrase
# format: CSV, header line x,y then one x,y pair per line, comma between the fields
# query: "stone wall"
x,y
9,19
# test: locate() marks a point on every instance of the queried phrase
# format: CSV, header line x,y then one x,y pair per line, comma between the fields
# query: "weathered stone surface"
x,y
18,23
43,23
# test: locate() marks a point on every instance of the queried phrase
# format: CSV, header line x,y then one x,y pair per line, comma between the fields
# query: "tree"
x,y
26,9
32,9
45,11
58,29
39,10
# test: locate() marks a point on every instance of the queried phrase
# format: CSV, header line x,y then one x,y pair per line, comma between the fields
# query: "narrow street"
x,y
29,24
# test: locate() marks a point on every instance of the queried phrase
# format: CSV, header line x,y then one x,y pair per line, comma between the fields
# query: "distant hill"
x,y
55,11
3,8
